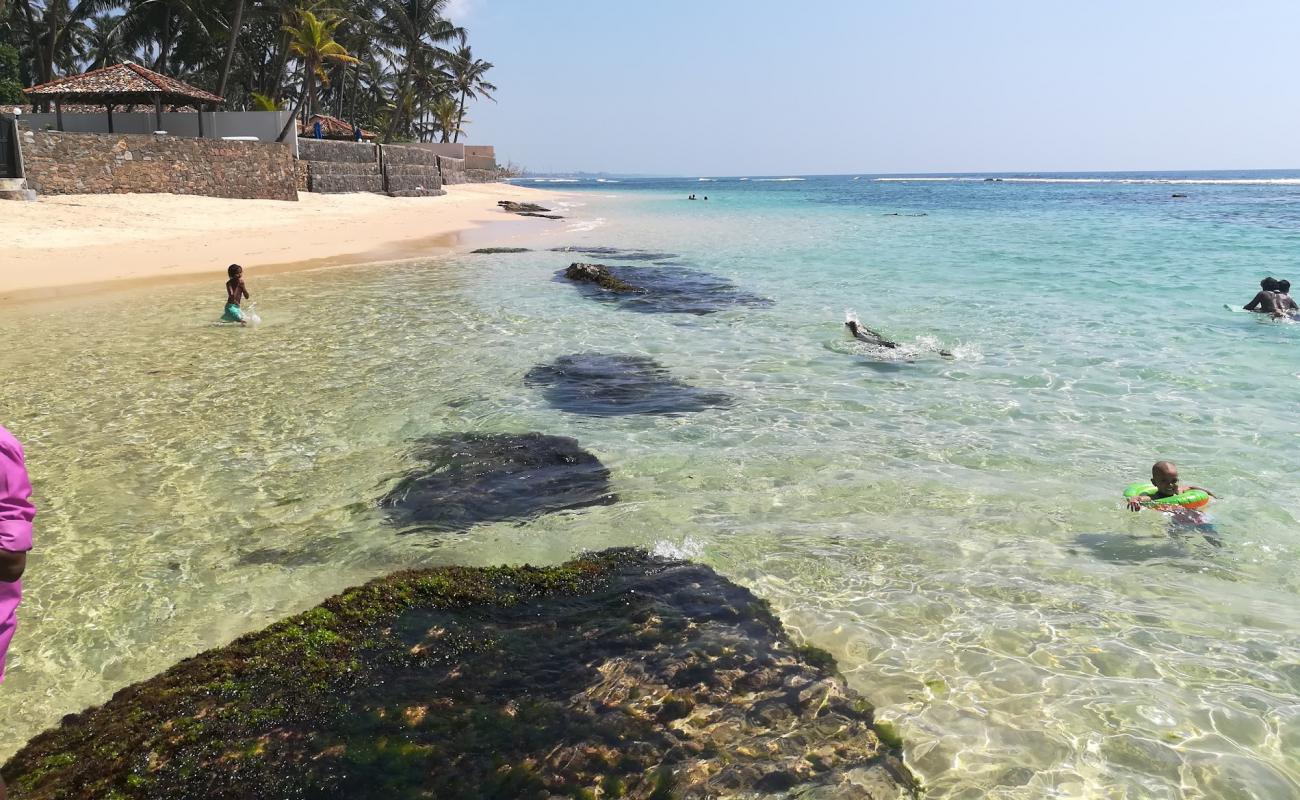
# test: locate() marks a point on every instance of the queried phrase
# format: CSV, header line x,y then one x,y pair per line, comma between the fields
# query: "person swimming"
x,y
1282,299
865,334
1265,300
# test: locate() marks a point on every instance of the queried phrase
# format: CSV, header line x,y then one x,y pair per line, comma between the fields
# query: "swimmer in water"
x,y
235,292
865,334
1282,300
1265,300
1164,476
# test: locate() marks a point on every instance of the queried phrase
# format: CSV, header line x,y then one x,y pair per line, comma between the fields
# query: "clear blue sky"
x,y
751,87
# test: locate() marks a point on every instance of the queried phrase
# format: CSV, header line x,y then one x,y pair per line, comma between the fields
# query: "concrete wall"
x,y
265,125
95,163
480,156
442,148
451,169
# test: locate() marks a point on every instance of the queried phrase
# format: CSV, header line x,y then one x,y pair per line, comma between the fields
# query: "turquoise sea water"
x,y
950,529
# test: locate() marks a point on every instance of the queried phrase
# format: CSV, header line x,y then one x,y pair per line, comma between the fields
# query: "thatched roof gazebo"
x,y
124,84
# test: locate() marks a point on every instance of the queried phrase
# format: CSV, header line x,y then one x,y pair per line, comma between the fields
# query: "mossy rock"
x,y
617,674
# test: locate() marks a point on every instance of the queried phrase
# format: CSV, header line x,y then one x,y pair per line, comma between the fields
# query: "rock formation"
x,y
616,674
603,384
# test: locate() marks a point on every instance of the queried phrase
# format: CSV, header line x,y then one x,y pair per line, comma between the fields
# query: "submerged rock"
x,y
599,275
543,216
616,674
493,250
616,254
604,384
469,478
661,289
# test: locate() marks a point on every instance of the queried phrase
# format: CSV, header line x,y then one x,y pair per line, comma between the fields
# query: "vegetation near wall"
x,y
399,68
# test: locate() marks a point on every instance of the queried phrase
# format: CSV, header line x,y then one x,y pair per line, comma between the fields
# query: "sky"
x,y
758,87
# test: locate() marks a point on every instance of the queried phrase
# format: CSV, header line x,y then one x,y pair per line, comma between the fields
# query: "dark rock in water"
x,y
614,675
616,254
470,478
604,385
492,250
520,208
661,290
543,216
600,275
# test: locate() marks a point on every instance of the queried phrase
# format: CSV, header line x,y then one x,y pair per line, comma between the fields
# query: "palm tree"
x,y
178,27
46,27
467,78
101,41
413,29
313,42
447,116
235,25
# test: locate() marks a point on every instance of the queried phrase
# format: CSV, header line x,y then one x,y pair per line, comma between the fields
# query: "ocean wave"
x,y
1136,181
606,180
581,226
557,180
779,180
709,180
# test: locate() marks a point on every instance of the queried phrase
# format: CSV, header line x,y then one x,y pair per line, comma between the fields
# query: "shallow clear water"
x,y
948,528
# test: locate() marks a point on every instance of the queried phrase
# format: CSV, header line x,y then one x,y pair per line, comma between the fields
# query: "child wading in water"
x,y
235,292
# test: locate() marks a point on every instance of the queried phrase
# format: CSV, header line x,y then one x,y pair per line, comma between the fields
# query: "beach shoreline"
x,y
73,245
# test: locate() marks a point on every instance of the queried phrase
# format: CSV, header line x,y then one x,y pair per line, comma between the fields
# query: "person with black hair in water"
x,y
1265,300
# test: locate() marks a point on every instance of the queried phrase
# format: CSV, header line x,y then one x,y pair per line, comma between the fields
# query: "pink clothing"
x,y
16,513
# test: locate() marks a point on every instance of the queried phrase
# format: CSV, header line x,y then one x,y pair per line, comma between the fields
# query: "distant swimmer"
x,y
865,334
235,292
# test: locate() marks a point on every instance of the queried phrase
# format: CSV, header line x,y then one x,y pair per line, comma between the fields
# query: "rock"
x,y
491,250
509,682
600,275
661,289
603,384
519,208
468,478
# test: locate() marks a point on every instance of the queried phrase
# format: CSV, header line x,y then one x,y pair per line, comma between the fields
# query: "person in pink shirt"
x,y
16,513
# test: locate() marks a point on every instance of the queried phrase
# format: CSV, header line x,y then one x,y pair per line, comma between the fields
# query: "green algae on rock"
x,y
617,674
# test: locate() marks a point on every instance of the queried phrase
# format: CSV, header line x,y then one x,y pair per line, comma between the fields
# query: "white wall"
x,y
265,125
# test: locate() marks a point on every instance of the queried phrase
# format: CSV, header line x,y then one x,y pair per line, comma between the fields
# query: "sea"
x,y
945,517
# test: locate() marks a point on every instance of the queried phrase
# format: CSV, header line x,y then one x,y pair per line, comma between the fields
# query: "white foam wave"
x,y
744,179
557,180
606,180
581,226
779,180
705,180
1136,181
689,548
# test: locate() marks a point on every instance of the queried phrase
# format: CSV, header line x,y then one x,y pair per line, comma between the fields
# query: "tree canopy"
x,y
395,66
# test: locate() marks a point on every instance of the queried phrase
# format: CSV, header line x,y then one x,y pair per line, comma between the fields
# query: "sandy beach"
x,y
73,244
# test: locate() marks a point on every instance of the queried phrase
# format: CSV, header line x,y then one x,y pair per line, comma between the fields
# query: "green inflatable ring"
x,y
1192,498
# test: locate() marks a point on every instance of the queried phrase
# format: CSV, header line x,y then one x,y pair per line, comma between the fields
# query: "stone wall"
x,y
410,171
334,166
452,169
105,163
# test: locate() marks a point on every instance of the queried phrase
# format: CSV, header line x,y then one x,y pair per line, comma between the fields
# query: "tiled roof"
x,y
126,81
331,128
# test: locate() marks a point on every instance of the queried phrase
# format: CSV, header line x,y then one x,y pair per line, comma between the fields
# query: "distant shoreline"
x,y
72,245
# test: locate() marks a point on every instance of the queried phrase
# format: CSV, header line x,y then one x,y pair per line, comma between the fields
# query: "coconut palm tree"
x,y
412,29
236,25
312,41
467,80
